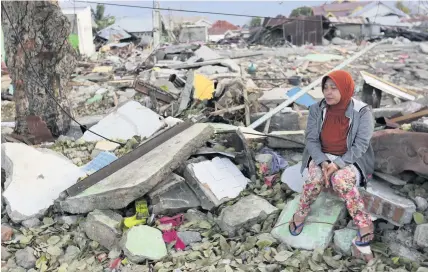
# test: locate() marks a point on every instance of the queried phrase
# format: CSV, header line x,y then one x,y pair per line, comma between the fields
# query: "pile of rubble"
x,y
179,182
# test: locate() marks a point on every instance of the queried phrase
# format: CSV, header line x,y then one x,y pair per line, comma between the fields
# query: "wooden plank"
x,y
191,65
232,109
409,117
118,164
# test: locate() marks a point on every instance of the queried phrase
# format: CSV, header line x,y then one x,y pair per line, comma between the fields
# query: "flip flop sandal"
x,y
293,232
363,244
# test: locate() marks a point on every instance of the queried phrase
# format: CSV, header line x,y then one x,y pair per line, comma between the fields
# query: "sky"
x,y
257,8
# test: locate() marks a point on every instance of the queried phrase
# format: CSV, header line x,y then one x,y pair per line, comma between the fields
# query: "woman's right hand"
x,y
324,167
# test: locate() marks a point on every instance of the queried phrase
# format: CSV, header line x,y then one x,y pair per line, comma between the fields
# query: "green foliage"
x,y
74,41
101,20
302,11
402,7
255,22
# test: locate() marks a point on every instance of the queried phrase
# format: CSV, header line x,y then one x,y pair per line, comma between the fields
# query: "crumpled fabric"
x,y
170,236
175,220
278,162
270,179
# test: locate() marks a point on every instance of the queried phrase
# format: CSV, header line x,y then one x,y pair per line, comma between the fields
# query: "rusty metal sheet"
x,y
38,130
397,150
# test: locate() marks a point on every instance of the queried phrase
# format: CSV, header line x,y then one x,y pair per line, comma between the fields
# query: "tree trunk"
x,y
43,31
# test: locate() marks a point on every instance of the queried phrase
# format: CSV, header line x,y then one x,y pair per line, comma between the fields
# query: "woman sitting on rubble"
x,y
338,153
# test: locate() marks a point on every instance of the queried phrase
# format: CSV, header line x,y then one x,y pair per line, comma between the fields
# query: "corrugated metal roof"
x,y
348,20
374,4
392,20
113,33
415,19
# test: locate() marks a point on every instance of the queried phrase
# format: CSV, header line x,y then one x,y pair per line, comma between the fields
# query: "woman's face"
x,y
331,93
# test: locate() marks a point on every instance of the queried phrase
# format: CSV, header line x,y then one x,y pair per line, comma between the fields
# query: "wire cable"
x,y
82,127
197,11
377,11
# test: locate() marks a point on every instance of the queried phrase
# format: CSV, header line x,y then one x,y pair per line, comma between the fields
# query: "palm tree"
x,y
99,18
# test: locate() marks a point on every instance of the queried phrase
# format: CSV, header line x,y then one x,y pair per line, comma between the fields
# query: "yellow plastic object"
x,y
105,48
141,209
204,87
156,69
132,221
102,69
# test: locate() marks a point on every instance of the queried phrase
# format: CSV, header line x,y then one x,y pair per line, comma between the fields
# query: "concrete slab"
x,y
390,178
215,182
103,226
274,96
140,176
343,240
143,242
173,196
282,121
327,208
397,150
297,139
130,119
206,53
34,179
381,201
243,214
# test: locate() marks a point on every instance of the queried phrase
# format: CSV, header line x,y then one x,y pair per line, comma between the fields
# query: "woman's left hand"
x,y
329,170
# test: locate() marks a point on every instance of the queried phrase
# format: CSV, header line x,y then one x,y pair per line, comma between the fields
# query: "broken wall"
x,y
193,34
299,32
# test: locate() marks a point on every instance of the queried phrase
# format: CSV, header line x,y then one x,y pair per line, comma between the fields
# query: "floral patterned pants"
x,y
343,183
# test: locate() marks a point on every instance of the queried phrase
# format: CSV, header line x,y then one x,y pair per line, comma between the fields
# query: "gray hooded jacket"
x,y
361,126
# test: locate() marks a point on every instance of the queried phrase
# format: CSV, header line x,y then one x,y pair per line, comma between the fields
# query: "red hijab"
x,y
336,124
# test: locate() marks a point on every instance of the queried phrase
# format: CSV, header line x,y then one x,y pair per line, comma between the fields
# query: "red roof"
x,y
220,27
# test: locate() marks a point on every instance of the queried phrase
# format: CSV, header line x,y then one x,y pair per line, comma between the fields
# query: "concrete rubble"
x,y
102,226
245,213
171,190
120,188
30,177
143,242
173,196
215,182
381,201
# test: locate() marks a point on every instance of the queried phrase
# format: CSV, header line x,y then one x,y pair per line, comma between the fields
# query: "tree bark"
x,y
43,31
